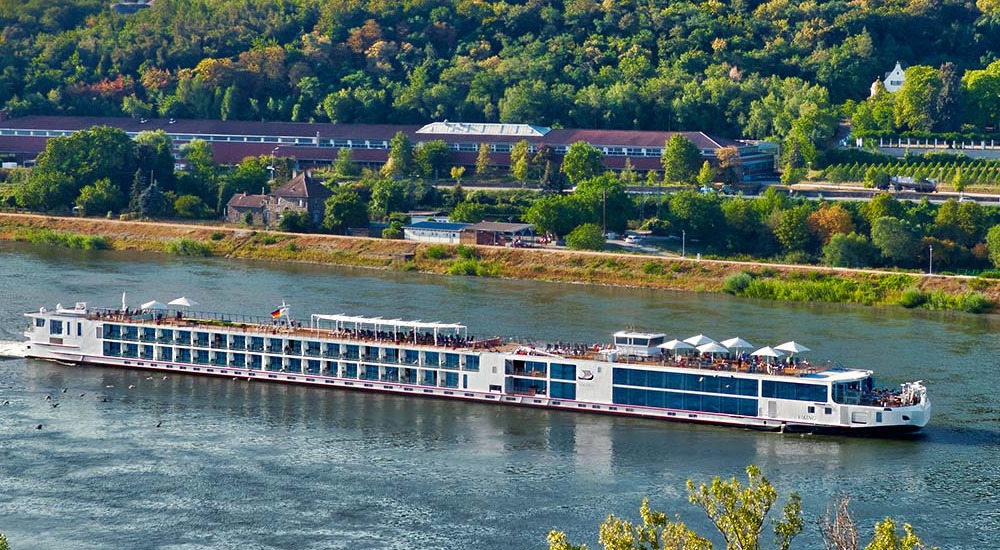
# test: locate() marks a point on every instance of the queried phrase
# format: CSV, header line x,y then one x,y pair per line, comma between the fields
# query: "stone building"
x,y
302,193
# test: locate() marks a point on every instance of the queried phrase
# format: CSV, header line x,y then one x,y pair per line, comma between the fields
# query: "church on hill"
x,y
892,82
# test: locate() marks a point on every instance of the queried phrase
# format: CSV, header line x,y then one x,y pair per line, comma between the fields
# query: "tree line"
x,y
749,68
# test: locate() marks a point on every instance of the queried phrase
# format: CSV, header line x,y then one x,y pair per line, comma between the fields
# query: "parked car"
x,y
633,239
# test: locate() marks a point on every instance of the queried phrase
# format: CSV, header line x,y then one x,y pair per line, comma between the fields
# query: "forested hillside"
x,y
731,68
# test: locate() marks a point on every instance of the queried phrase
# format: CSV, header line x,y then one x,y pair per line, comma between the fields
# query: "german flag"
x,y
277,313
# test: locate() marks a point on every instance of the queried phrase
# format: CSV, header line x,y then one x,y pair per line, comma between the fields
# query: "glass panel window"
x,y
472,362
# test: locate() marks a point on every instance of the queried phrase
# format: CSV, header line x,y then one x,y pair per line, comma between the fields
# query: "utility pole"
x,y
930,259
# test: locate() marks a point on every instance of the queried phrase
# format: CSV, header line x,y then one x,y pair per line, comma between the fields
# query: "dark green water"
x,y
240,465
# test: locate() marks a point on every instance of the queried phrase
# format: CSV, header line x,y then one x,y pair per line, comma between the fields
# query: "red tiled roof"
x,y
242,200
302,187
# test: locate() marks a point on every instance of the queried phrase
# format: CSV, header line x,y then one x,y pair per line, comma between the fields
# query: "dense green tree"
x,y
607,199
706,175
745,227
882,205
484,162
99,198
898,241
981,90
152,201
69,163
431,158
520,160
993,245
467,212
681,159
582,162
698,214
849,250
400,156
294,221
916,101
948,105
344,165
876,114
191,206
389,195
876,178
557,214
791,228
343,210
586,237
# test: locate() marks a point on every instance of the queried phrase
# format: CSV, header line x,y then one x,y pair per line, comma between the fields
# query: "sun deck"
x,y
451,336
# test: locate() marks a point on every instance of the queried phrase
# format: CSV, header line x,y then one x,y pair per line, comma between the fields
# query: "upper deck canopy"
x,y
357,322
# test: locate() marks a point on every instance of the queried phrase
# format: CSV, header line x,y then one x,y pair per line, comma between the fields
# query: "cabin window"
x,y
39,322
79,329
56,327
793,390
563,390
811,410
562,371
472,362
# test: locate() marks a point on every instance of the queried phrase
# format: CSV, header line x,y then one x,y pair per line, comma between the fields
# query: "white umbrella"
x,y
675,345
737,343
183,302
713,347
699,340
767,351
792,347
154,305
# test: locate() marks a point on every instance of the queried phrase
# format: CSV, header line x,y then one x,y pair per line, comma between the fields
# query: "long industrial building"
x,y
318,144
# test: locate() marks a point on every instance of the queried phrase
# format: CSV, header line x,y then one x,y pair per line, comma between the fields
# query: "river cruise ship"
x,y
638,374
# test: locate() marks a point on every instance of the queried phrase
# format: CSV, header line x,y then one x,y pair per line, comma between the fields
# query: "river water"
x,y
130,460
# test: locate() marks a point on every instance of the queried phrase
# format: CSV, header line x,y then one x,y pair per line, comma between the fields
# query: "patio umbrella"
x,y
767,351
699,340
153,305
713,347
737,343
792,347
183,301
676,346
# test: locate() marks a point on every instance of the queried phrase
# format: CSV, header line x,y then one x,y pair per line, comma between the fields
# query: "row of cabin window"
x,y
720,384
56,326
685,401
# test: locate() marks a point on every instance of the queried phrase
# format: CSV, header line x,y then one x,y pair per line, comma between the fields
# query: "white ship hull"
x,y
406,361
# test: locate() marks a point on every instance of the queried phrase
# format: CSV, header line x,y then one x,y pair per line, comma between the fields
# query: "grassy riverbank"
x,y
791,283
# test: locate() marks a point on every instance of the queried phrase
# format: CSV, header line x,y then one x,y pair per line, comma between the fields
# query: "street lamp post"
x,y
683,242
272,167
930,259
